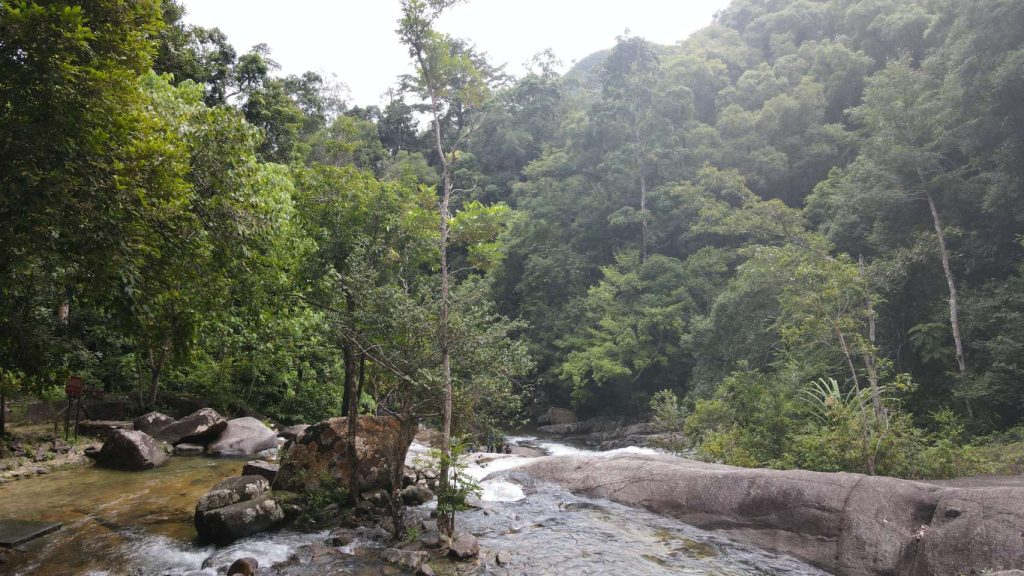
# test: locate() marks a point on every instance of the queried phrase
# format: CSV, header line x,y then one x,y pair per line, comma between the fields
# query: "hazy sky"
x,y
355,39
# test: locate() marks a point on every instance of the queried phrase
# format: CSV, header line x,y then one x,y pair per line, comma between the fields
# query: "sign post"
x,y
73,389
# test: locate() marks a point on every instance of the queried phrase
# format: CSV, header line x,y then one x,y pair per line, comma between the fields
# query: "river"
x,y
127,523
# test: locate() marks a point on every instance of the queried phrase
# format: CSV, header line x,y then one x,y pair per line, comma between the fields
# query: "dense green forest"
x,y
795,235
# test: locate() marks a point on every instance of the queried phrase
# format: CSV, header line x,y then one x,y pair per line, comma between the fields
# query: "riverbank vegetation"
x,y
798,230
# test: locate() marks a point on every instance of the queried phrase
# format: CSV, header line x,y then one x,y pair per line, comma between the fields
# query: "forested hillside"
x,y
796,234
801,191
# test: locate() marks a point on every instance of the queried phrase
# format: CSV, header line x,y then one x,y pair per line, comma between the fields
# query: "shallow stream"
x,y
127,523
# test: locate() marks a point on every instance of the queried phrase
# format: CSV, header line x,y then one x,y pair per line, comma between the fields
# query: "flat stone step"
x,y
17,532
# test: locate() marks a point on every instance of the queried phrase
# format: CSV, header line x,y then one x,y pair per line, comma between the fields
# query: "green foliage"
x,y
347,141
76,155
747,422
856,439
669,417
929,341
949,453
861,119
789,195
490,364
754,421
454,497
637,315
326,492
478,227
11,382
410,168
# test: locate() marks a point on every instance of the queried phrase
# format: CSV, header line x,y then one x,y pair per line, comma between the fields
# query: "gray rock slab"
x,y
848,524
17,532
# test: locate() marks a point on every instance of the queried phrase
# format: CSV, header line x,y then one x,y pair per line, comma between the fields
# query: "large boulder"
x,y
235,521
845,523
321,453
129,450
557,416
242,437
642,434
199,427
231,490
237,507
152,422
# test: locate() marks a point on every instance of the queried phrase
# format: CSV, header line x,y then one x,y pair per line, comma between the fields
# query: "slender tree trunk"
x,y
350,404
641,168
849,358
3,413
362,376
643,194
868,352
346,351
353,455
445,520
348,355
865,425
140,380
154,385
156,367
876,397
954,307
407,427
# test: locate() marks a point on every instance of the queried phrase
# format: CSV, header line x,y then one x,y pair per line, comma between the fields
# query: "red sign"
x,y
74,387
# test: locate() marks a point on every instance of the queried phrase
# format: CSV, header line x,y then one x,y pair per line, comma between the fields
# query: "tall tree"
x,y
448,79
628,81
206,211
366,234
73,166
906,168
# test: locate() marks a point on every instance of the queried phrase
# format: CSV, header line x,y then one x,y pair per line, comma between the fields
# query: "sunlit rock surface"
x,y
321,454
846,523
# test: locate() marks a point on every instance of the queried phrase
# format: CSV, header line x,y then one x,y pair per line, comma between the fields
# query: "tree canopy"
x,y
803,221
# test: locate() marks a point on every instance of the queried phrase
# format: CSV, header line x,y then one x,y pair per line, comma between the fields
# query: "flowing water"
x,y
127,523
562,533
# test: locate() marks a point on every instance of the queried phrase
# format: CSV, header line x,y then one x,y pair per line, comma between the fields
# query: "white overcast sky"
x,y
355,40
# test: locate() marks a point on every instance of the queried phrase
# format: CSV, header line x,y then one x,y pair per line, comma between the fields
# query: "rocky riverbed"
x,y
120,522
32,450
575,511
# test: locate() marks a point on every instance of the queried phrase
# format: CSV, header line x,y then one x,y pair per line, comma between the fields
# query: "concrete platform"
x,y
17,532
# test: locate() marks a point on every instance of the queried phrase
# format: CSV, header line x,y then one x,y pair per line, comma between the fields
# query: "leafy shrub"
x,y
755,420
949,455
669,417
748,422
323,495
453,498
